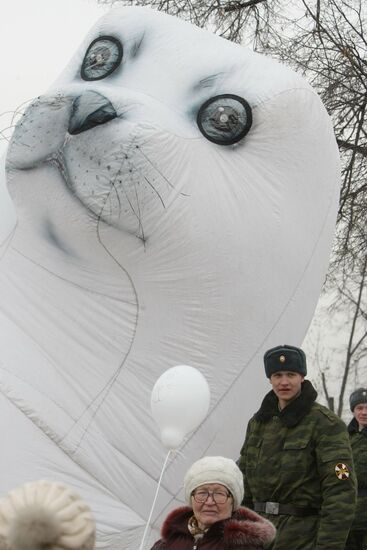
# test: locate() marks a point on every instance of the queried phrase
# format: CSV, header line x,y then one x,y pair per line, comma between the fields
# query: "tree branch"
x,y
362,150
237,6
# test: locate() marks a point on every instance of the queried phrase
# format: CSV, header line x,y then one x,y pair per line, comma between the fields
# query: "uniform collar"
x,y
293,413
353,427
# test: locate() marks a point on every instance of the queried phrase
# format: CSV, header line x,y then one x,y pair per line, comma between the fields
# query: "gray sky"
x,y
37,39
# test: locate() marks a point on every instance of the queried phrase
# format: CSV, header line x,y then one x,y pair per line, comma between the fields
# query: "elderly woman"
x,y
44,515
214,519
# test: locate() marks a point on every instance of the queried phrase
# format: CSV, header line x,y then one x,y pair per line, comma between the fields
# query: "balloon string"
x,y
154,501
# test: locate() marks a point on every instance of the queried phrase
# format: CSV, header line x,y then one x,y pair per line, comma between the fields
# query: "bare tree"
x,y
350,308
358,328
229,18
333,57
337,341
332,53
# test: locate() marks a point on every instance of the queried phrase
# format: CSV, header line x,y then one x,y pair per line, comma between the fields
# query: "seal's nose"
x,y
89,110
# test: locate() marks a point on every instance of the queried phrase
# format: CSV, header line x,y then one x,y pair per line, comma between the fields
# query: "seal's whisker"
x,y
19,110
130,204
116,191
140,217
155,190
114,188
139,213
4,136
154,166
146,179
4,113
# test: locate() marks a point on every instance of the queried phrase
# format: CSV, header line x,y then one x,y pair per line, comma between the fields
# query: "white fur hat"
x,y
215,469
44,514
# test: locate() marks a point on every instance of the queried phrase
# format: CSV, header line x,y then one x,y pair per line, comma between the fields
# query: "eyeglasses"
x,y
219,497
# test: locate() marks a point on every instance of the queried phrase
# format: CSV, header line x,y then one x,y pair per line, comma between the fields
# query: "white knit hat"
x,y
44,514
215,469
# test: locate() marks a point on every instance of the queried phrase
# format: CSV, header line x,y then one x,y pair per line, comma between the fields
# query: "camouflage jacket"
x,y
301,456
358,441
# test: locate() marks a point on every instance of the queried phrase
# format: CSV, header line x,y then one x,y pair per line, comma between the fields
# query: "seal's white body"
x,y
140,245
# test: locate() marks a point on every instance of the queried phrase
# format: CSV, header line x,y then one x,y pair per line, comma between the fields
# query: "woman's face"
x,y
208,510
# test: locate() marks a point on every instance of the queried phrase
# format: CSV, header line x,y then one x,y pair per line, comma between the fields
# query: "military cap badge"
x,y
285,357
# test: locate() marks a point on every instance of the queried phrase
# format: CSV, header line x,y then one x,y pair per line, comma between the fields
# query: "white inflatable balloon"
x,y
179,403
176,196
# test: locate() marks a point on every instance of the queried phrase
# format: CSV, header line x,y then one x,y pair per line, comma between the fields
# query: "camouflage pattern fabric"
x,y
301,456
357,539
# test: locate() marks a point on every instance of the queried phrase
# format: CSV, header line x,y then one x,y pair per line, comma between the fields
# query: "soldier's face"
x,y
360,414
286,386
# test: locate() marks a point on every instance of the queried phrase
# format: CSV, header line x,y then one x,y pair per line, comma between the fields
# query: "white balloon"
x,y
179,402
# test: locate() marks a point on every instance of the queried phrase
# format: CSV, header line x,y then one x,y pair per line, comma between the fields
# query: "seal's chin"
x,y
112,169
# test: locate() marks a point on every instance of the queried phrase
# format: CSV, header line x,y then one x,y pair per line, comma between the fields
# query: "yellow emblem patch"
x,y
342,471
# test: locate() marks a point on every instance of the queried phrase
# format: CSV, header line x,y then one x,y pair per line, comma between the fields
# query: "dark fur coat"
x,y
245,530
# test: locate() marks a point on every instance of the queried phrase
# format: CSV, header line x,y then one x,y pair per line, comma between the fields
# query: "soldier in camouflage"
x,y
357,539
297,461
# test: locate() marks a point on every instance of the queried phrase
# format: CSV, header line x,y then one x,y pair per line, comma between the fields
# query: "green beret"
x,y
287,358
357,397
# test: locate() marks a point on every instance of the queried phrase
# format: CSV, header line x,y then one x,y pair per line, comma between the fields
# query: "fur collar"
x,y
353,427
293,413
245,527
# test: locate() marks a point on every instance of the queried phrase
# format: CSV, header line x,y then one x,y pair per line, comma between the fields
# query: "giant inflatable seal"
x,y
175,197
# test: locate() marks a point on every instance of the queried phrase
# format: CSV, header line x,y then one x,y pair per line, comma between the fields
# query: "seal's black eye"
x,y
225,119
102,58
